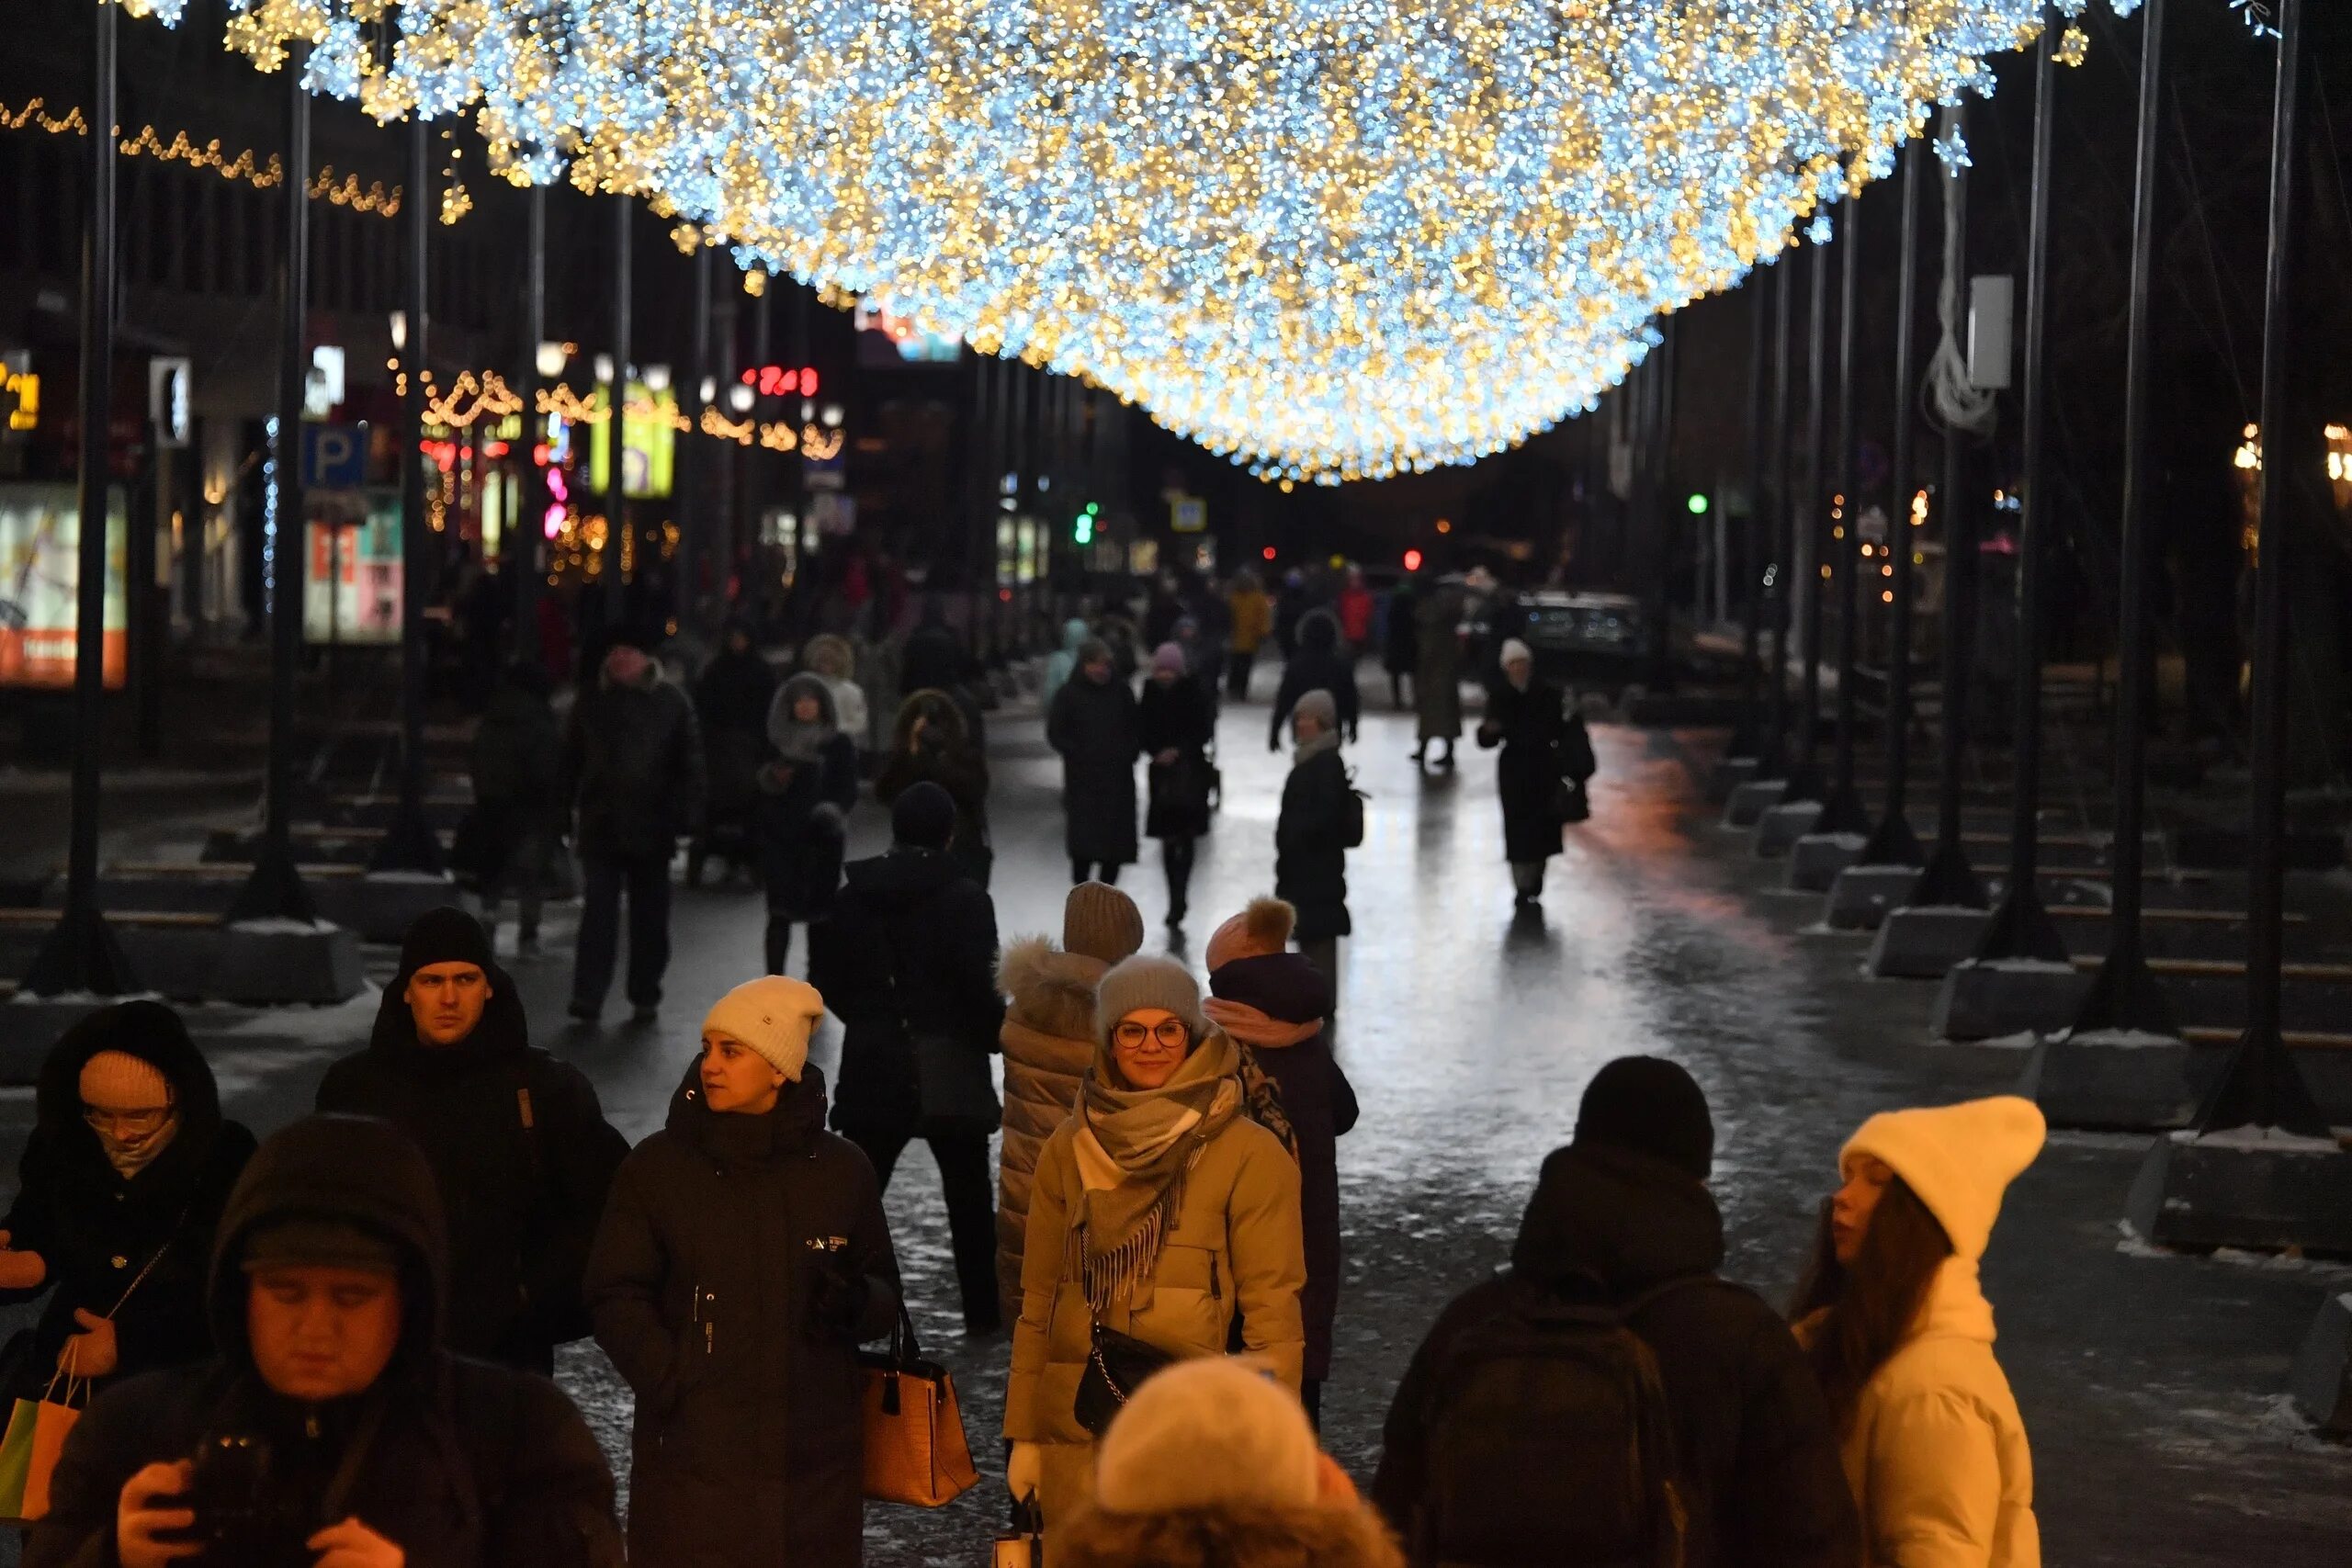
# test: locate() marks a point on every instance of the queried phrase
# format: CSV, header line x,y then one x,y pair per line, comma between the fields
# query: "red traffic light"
x,y
1412,560
1268,552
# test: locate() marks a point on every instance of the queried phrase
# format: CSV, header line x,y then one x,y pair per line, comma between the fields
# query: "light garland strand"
x,y
262,173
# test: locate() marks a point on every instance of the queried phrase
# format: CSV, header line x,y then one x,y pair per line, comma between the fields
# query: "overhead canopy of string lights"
x,y
1333,238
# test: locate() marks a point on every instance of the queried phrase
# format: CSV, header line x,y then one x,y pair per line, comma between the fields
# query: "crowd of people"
x,y
335,1348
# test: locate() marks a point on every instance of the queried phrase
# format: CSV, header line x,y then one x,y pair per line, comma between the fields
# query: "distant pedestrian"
x,y
1320,664
1546,760
1063,662
1251,615
118,1192
1900,1336
1322,820
1355,607
1400,641
1437,677
1160,1212
1204,661
518,1144
1049,1041
910,962
633,771
1291,606
830,656
1176,730
931,743
1162,610
1525,1426
1093,724
1272,1001
742,1260
333,1426
807,786
731,701
519,811
935,658
1211,1466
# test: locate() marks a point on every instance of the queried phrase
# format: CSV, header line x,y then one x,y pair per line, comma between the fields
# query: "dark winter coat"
x,y
946,755
1094,727
471,1465
1759,1461
802,804
522,1189
1318,1100
910,951
518,758
1311,846
748,1444
1319,665
1532,726
633,767
96,1231
1176,718
933,659
1436,678
1400,640
731,706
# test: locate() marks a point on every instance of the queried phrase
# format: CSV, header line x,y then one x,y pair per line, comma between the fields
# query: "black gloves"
x,y
837,1299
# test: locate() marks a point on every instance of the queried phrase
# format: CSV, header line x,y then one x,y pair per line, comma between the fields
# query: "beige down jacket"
x,y
1048,1038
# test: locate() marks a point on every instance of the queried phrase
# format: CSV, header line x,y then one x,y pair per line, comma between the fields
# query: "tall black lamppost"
x,y
1892,841
1842,811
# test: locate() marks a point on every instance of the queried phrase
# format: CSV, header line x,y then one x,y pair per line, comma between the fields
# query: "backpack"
x,y
1550,1443
1351,801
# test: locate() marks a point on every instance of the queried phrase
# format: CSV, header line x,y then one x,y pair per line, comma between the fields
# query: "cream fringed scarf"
x,y
1134,1149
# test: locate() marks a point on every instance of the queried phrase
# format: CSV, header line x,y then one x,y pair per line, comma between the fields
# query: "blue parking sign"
x,y
334,456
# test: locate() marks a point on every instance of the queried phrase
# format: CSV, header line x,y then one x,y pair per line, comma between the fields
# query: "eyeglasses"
x,y
127,1124
1173,1033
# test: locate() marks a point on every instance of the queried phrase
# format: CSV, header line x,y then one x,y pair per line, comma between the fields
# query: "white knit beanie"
x,y
1212,1433
773,1015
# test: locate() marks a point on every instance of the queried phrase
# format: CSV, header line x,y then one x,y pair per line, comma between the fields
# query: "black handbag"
x,y
955,1091
1116,1365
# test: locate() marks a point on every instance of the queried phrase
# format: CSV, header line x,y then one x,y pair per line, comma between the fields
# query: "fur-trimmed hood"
x,y
1339,1535
1052,991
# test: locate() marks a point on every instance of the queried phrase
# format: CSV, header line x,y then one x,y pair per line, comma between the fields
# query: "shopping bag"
x,y
915,1448
28,1452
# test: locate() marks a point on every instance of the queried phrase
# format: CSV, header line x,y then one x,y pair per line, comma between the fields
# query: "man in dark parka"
x,y
1094,725
1322,820
1320,664
1620,1212
89,1227
517,1143
460,1465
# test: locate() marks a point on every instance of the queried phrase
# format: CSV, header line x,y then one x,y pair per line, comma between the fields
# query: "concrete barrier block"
x,y
1923,942
1782,826
380,908
2121,1080
1815,860
1748,801
1863,895
1983,1000
1728,774
2247,1186
2321,1384
259,963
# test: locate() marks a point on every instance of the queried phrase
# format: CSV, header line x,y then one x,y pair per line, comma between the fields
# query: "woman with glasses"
x,y
121,1184
1159,1212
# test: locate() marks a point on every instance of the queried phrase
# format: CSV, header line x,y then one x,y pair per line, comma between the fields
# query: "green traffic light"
x,y
1698,506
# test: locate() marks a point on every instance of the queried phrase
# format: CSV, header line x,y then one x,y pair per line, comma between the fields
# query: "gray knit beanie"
x,y
1100,922
1146,982
1320,706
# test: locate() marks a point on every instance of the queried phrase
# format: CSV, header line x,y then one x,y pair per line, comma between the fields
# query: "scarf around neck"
x,y
1326,741
1134,1149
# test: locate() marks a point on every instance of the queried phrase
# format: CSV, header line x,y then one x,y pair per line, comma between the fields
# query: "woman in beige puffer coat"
x,y
1048,1040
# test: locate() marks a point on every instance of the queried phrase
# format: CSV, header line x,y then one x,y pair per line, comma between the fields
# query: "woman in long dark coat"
x,y
1437,674
1093,725
933,742
807,787
1544,762
1177,727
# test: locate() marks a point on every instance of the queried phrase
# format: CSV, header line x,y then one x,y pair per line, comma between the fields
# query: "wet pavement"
x,y
2151,1385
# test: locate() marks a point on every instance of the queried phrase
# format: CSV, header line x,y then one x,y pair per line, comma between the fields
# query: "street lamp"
x,y
551,359
657,378
740,397
709,390
399,330
833,416
604,367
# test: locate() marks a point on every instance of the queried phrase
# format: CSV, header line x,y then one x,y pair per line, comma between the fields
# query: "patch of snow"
x,y
2124,1039
2023,1040
1823,928
278,925
2259,1140
2016,966
331,1022
1943,912
438,878
82,999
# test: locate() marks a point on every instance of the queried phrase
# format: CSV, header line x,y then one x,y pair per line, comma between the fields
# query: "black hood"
x,y
1622,1221
154,1033
1283,986
355,1170
788,1131
1317,629
903,875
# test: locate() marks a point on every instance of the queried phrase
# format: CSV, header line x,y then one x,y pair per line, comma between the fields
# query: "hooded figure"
x,y
1064,662
1273,1002
122,1181
744,1258
1094,725
1321,664
933,741
1049,1041
459,1463
935,658
1900,1336
831,660
1617,1214
807,787
1161,1210
516,1141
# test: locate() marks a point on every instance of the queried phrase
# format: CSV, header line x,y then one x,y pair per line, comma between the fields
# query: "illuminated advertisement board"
x,y
351,574
648,443
40,576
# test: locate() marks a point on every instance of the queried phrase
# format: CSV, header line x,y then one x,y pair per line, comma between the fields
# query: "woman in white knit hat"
x,y
1159,1212
743,1259
1899,1332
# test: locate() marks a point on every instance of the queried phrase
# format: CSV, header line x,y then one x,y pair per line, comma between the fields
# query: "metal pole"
x,y
275,890
1665,517
1747,741
1842,811
79,953
695,486
1948,878
616,397
1893,842
2020,927
2263,1086
2126,994
1804,778
1774,762
530,525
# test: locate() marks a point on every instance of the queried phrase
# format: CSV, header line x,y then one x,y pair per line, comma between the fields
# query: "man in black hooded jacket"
x,y
1617,1214
516,1140
364,1441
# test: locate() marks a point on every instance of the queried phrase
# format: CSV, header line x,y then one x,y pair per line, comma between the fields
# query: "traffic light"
x,y
1082,531
1698,506
1412,560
